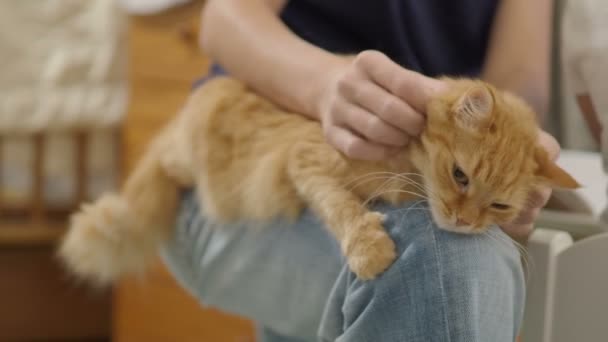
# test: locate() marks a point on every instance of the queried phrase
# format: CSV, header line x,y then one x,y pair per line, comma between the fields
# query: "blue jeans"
x,y
292,280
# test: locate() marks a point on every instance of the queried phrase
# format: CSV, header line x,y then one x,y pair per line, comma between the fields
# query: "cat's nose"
x,y
461,222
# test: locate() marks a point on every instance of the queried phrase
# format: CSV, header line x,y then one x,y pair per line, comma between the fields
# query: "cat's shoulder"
x,y
220,86
221,93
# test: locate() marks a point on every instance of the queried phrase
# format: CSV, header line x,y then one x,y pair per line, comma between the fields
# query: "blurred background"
x,y
84,84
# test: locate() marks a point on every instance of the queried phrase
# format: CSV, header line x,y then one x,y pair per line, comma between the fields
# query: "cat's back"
x,y
232,108
241,143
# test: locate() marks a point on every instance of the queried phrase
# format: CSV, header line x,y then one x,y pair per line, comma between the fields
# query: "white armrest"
x,y
567,290
580,310
543,247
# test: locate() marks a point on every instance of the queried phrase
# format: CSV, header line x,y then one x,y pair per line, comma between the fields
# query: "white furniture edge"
x,y
544,246
567,288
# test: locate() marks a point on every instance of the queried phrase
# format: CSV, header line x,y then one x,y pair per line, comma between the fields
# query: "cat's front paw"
x,y
369,249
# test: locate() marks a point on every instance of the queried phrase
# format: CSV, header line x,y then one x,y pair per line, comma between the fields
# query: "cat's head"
x,y
481,157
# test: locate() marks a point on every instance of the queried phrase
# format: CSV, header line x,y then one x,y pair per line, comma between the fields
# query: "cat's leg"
x,y
176,153
318,173
120,233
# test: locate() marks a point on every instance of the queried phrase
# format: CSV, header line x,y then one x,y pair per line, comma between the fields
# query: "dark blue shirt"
x,y
433,37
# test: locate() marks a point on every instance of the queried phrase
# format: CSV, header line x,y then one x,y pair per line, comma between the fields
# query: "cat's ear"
x,y
549,173
474,106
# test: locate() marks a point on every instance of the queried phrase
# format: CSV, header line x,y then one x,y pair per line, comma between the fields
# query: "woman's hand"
x,y
371,106
522,227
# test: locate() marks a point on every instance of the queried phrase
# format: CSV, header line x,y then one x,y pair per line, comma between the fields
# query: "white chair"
x,y
567,290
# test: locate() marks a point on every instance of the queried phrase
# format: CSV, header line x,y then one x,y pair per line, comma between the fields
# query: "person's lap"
x,y
291,279
280,275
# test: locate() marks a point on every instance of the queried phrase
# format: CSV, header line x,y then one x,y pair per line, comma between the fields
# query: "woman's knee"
x,y
480,281
489,257
467,287
472,284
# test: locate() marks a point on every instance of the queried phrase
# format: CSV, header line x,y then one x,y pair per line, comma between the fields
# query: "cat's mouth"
x,y
448,221
452,226
441,217
461,228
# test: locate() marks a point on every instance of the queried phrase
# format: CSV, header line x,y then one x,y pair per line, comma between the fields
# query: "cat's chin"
x,y
458,229
446,224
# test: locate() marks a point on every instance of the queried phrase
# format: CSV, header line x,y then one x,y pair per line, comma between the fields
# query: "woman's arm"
x,y
252,43
367,104
519,53
587,108
519,60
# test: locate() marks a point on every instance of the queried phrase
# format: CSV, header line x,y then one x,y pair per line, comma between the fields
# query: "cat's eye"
x,y
500,206
459,176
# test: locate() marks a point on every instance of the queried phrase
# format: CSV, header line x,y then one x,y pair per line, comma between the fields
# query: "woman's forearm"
x,y
250,41
519,53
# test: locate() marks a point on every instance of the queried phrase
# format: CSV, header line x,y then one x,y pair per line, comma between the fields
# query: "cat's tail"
x,y
121,234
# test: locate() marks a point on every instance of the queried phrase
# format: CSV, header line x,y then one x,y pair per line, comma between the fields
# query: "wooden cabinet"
x,y
164,62
40,302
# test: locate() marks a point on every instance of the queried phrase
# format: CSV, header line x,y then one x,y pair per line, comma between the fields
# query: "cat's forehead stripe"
x,y
510,181
438,137
516,161
497,168
478,166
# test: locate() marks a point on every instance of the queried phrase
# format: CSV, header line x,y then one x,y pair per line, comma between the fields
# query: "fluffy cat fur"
x,y
249,159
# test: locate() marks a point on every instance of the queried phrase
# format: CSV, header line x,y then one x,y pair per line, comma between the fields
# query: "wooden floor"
x,y
165,61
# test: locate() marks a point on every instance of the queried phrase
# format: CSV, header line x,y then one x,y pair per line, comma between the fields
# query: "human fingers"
x,y
412,87
391,109
356,147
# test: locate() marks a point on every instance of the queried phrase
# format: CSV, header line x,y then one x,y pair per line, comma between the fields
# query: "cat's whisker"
x,y
378,192
429,225
527,262
374,196
374,176
401,176
406,211
508,240
377,173
419,185
405,177
429,190
390,179
409,174
417,194
394,178
412,207
500,240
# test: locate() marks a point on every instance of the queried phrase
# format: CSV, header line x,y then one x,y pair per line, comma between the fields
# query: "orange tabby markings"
x,y
476,162
370,251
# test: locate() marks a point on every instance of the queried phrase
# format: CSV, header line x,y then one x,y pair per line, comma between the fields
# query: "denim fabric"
x,y
291,279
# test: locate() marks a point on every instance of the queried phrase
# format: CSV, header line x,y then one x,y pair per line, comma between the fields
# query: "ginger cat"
x,y
478,159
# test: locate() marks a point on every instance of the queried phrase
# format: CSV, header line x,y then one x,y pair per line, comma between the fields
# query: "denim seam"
x,y
441,285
